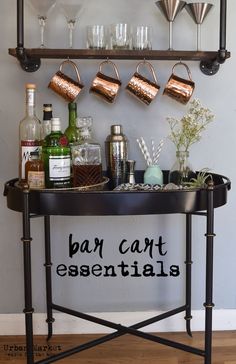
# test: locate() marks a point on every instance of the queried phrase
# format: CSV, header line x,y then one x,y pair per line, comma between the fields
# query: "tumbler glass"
x,y
120,36
96,37
141,37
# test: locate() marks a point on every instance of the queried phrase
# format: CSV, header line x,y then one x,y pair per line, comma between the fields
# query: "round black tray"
x,y
108,202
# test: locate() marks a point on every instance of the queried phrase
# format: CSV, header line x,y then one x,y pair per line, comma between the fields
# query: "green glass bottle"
x,y
72,132
56,157
47,116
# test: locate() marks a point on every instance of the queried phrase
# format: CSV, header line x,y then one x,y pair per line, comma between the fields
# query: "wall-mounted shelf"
x,y
30,59
117,54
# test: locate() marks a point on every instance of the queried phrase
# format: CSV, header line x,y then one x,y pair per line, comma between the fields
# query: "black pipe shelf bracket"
x,y
30,59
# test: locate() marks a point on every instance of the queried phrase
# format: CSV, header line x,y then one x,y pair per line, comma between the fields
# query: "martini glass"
x,y
170,9
198,12
42,9
71,9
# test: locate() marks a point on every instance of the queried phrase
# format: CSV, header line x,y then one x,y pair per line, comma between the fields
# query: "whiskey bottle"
x,y
56,157
34,171
86,156
30,131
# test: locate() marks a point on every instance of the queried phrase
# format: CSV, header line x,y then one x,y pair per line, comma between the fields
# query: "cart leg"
x,y
48,273
28,310
209,274
188,263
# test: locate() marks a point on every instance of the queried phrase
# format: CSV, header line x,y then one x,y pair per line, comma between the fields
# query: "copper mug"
x,y
105,86
141,87
179,88
64,85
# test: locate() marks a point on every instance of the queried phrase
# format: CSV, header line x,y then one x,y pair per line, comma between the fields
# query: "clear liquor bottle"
x,y
86,156
30,132
56,157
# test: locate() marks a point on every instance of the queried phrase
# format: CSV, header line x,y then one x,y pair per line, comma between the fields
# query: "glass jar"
x,y
86,156
182,171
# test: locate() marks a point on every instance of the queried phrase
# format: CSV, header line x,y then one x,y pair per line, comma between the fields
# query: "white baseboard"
x,y
13,324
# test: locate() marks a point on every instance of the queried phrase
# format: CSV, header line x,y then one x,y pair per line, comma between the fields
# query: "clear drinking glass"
x,y
71,9
141,37
120,36
41,8
96,37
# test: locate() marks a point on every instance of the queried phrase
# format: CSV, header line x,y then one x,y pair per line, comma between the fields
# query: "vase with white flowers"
x,y
183,133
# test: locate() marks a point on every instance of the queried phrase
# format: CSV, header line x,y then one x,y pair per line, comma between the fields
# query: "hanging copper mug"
x,y
64,85
105,86
141,87
178,88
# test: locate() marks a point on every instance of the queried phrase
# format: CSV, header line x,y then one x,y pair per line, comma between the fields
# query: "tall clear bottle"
x,y
56,157
72,132
30,131
47,116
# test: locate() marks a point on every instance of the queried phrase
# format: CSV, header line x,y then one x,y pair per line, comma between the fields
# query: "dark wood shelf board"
x,y
117,54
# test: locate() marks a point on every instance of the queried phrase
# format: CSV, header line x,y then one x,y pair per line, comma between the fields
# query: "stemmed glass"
x,y
71,9
170,9
198,12
42,9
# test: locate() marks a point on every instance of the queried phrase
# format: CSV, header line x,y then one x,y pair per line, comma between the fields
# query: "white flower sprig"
x,y
150,160
188,129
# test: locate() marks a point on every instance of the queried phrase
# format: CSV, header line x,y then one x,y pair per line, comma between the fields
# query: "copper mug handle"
x,y
141,87
187,69
113,65
179,88
64,85
105,86
74,66
150,68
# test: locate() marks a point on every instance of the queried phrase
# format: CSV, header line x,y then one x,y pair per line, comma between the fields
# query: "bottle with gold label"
x,y
34,172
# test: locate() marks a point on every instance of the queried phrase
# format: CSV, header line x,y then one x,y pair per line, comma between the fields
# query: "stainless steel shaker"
x,y
116,148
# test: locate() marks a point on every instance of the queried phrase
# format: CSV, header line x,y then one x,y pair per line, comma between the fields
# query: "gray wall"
x,y
216,150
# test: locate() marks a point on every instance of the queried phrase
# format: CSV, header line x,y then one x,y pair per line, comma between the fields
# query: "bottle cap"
x,y
116,129
47,107
30,86
56,123
84,122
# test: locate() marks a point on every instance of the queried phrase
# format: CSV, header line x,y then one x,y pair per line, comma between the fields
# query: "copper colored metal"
x,y
64,85
104,86
141,87
178,88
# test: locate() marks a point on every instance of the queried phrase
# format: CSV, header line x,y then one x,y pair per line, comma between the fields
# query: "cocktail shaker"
x,y
116,148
